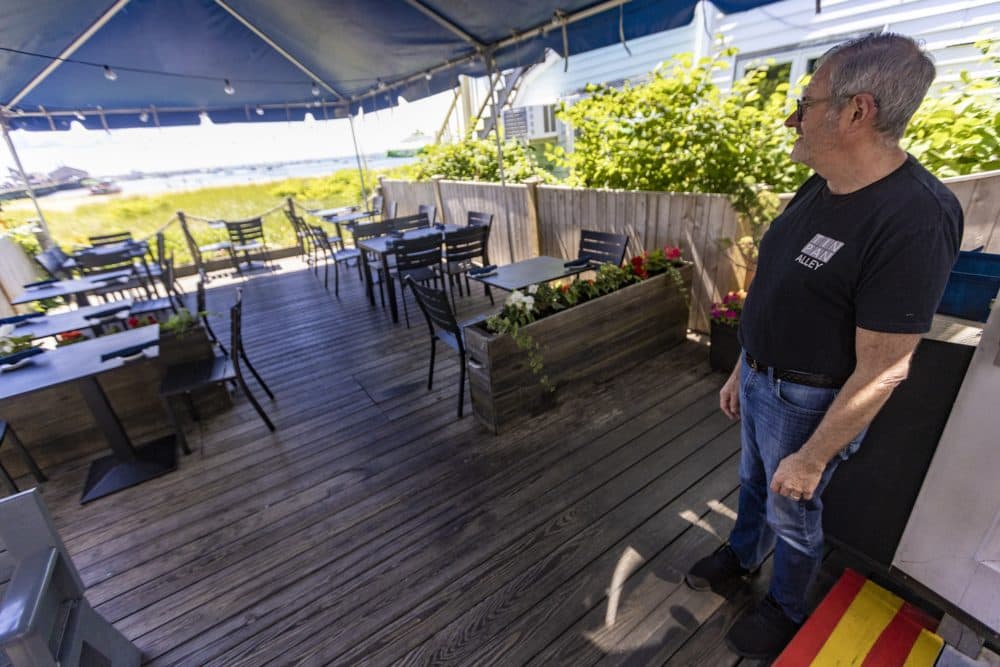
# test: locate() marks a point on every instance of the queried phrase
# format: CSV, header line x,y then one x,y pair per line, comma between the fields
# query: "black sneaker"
x,y
712,572
762,633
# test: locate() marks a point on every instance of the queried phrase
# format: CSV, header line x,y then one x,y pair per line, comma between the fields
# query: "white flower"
x,y
529,302
532,289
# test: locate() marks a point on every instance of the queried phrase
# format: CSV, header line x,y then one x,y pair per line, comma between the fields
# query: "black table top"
x,y
341,215
134,249
529,272
70,287
73,320
75,362
380,244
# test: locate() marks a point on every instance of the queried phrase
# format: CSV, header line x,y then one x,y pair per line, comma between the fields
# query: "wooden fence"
x,y
532,219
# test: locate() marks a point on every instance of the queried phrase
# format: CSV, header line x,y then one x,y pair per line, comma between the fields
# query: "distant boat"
x,y
105,188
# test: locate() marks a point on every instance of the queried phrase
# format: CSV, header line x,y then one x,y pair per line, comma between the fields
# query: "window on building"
x,y
549,118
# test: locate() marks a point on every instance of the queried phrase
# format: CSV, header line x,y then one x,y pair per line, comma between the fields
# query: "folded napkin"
x,y
489,268
130,351
107,311
41,283
20,356
576,263
20,318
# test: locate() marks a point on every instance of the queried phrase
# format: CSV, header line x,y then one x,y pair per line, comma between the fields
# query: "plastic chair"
x,y
246,242
331,253
7,433
45,619
182,379
461,247
443,326
602,248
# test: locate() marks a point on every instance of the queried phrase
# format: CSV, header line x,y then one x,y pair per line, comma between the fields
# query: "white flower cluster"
x,y
518,299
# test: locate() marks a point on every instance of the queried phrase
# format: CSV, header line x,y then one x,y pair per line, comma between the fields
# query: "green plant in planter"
x,y
11,344
519,311
181,323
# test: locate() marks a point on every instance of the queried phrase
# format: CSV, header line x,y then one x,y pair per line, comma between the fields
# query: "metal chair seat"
x,y
182,378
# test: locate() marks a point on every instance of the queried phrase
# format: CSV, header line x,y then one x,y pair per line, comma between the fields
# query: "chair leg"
x,y
451,289
461,383
192,408
176,423
26,455
254,403
260,380
486,288
326,274
336,278
8,479
430,376
402,297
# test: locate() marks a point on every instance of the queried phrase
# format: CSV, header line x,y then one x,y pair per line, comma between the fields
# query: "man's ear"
x,y
863,107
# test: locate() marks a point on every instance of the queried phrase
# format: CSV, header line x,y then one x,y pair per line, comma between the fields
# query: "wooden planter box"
x,y
724,349
591,342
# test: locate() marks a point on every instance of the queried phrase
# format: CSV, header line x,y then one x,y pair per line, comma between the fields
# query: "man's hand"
x,y
729,395
797,476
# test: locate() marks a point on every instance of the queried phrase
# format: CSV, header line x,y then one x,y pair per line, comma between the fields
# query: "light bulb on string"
x,y
428,76
315,90
110,74
144,117
228,88
317,103
381,85
259,110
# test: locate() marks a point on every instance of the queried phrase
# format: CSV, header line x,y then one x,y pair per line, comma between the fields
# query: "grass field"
x,y
145,215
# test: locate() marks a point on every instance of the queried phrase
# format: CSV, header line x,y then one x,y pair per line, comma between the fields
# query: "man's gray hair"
x,y
893,68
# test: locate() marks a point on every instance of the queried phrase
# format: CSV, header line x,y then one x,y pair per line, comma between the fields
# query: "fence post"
x,y
438,201
534,227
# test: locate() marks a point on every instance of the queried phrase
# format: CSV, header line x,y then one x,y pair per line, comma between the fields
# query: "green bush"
x,y
476,160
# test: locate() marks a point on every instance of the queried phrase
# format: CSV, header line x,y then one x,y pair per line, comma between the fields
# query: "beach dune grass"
x,y
144,215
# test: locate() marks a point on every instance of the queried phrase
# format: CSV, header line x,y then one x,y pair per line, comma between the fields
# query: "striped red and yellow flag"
x,y
860,623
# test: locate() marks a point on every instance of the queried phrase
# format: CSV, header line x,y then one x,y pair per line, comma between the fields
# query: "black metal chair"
x,y
430,210
331,253
408,223
461,248
7,433
139,278
110,239
182,379
443,327
174,299
418,260
477,218
370,230
54,262
602,248
247,243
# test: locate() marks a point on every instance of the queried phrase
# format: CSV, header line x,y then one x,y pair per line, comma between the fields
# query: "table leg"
x,y
366,270
391,288
127,465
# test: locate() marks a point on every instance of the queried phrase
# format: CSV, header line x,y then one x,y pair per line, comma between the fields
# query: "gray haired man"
x,y
849,277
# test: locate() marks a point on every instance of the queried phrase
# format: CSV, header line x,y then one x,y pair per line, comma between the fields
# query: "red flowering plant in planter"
x,y
728,312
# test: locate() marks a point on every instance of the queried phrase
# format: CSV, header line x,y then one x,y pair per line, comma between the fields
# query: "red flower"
x,y
564,288
672,253
133,322
150,319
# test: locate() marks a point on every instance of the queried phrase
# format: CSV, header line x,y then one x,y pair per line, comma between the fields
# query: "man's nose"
x,y
792,120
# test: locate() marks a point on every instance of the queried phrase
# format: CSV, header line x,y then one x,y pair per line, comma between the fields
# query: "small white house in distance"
x,y
791,34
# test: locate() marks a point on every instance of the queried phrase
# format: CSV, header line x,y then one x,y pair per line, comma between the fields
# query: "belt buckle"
x,y
754,364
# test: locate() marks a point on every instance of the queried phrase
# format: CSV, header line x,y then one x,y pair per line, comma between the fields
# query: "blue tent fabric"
x,y
172,57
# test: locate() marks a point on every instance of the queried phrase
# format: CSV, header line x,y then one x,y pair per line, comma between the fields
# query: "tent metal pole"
x,y
496,133
24,175
357,156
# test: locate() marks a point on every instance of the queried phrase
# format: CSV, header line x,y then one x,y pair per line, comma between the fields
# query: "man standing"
x,y
849,276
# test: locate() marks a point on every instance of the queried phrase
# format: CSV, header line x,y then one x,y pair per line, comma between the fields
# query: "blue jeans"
x,y
777,418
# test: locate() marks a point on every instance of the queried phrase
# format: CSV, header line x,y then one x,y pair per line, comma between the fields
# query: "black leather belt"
x,y
798,377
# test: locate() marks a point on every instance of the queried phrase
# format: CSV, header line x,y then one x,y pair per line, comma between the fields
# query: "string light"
x,y
381,85
427,75
259,110
110,74
144,117
317,103
315,90
228,88
79,115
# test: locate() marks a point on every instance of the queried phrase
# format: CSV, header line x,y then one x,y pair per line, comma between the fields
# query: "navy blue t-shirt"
x,y
877,258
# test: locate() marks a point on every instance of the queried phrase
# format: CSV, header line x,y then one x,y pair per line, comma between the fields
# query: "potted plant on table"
x,y
725,321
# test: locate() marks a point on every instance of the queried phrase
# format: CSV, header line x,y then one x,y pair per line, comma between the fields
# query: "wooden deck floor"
x,y
376,528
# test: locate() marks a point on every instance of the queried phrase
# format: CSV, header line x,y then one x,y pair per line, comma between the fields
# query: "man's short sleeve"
x,y
904,277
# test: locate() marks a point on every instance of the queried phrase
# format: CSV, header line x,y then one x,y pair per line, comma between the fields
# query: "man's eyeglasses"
x,y
803,103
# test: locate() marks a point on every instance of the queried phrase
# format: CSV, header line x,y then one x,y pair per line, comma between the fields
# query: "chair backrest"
x,y
50,261
174,295
602,247
161,250
318,236
299,225
477,218
108,239
90,263
436,309
242,232
465,244
417,253
370,230
408,222
430,210
191,244
236,331
390,210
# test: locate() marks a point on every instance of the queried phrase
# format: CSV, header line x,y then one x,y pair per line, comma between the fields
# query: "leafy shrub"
x,y
476,160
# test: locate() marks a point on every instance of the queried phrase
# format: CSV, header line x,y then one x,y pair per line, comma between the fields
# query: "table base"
x,y
110,474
